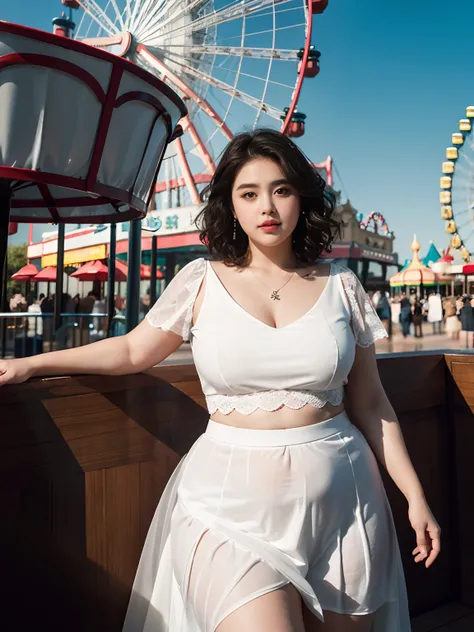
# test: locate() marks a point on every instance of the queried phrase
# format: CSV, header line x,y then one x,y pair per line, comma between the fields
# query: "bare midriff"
x,y
280,419
304,292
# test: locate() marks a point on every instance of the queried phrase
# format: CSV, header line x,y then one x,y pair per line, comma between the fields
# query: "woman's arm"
x,y
144,347
370,410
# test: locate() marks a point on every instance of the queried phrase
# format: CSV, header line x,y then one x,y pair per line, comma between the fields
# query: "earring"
x,y
234,234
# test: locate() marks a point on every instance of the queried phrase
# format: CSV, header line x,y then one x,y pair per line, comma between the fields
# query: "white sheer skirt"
x,y
248,511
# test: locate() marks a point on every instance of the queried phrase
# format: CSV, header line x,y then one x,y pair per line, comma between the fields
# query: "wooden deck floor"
x,y
450,618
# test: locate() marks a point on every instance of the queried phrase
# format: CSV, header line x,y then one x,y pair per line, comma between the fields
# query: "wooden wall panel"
x,y
460,412
84,461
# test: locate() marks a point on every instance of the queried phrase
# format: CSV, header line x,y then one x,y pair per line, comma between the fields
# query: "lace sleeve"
x,y
173,311
366,325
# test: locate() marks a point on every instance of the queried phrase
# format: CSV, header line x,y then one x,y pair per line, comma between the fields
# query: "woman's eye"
x,y
283,191
248,193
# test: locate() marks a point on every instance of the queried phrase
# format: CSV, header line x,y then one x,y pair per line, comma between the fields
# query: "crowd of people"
x,y
450,314
89,304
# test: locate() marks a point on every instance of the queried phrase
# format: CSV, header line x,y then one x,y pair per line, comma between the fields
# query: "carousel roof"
x,y
432,256
416,273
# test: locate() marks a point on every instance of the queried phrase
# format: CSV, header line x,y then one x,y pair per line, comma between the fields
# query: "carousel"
x,y
416,276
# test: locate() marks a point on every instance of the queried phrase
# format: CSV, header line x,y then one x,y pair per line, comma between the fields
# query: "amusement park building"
x,y
369,253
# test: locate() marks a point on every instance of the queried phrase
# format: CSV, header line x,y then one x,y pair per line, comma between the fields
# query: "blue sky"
x,y
395,80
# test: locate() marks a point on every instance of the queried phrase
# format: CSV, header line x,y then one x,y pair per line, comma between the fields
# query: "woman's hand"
x,y
427,531
15,371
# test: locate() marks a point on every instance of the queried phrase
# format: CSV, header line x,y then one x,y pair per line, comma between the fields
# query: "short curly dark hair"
x,y
316,228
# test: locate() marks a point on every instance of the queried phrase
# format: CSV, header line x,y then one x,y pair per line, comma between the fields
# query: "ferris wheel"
x,y
457,188
237,64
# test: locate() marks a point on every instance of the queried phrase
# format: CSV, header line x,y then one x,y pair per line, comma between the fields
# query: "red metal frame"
x,y
188,176
49,202
188,126
182,85
299,83
327,165
124,40
176,183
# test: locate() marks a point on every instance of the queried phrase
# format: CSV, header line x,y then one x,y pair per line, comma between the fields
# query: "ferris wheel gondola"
x,y
236,64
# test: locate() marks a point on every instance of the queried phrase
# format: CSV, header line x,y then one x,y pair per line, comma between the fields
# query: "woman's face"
x,y
261,193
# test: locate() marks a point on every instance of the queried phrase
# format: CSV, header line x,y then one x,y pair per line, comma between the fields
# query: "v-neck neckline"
x,y
257,320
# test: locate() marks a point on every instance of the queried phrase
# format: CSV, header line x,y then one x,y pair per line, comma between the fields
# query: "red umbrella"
x,y
145,271
48,274
26,273
96,271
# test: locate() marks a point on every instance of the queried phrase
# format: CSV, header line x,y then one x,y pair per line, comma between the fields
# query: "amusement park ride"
x,y
235,65
457,188
231,62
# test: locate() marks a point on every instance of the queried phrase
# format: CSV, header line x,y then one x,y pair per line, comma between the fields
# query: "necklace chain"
x,y
274,295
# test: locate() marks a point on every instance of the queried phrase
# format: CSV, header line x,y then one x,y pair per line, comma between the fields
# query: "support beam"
x,y
111,279
188,176
59,278
133,280
5,199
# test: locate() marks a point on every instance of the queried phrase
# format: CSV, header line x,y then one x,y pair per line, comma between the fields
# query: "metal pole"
x,y
153,264
111,279
5,197
133,285
59,278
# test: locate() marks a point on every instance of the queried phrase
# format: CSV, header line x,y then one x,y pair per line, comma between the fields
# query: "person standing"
x,y
467,321
383,310
418,318
406,315
453,324
435,312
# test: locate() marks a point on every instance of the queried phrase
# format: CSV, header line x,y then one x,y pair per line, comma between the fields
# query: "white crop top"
x,y
244,364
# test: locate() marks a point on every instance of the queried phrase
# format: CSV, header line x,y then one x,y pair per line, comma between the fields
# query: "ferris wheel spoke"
x,y
128,10
464,225
469,160
96,13
138,4
178,82
469,236
118,16
227,14
283,54
188,126
232,90
83,17
175,56
178,10
281,28
186,171
269,69
151,10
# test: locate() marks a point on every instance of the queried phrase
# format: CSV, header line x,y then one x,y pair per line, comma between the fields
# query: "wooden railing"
x,y
84,460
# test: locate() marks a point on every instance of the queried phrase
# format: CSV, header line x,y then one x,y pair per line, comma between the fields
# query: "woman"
x,y
452,322
277,518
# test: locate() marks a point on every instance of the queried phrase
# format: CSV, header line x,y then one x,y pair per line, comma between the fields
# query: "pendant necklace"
x,y
274,295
